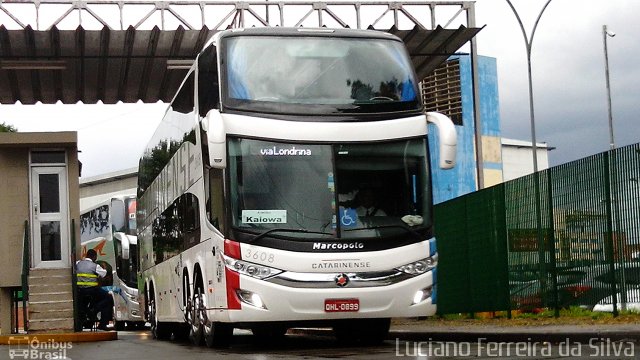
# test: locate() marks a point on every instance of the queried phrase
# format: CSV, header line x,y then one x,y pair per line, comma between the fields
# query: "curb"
x,y
497,335
18,339
517,336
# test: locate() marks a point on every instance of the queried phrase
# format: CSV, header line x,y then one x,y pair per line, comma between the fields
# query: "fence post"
x,y
552,247
609,234
619,239
542,258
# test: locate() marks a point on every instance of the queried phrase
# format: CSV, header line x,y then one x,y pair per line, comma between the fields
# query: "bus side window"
x,y
190,221
166,234
215,198
184,101
208,89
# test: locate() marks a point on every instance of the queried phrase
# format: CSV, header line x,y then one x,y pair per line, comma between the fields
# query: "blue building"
x,y
449,90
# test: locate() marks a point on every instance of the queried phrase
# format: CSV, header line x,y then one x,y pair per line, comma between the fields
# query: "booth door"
x,y
49,211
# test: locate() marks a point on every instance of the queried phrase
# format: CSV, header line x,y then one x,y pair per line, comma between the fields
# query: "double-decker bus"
x,y
109,228
249,192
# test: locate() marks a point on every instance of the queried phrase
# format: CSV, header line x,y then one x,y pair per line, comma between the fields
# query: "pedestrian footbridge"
x,y
129,51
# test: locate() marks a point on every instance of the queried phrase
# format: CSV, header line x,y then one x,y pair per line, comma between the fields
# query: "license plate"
x,y
341,305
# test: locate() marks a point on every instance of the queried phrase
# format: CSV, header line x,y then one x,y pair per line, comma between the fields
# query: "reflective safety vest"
x,y
86,273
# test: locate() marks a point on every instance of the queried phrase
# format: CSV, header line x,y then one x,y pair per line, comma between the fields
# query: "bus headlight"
x,y
251,298
250,269
421,295
419,267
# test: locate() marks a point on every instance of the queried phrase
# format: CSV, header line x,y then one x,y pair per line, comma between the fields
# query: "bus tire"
x,y
159,330
218,335
198,315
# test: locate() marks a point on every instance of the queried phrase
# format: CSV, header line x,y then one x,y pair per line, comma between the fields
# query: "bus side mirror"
x,y
447,137
124,241
216,140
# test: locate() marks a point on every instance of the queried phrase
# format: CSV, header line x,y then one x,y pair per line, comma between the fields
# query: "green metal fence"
x,y
566,236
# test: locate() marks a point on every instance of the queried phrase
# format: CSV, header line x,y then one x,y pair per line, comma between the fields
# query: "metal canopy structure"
x,y
107,56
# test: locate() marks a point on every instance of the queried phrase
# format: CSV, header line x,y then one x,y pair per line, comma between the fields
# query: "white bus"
x,y
110,228
248,191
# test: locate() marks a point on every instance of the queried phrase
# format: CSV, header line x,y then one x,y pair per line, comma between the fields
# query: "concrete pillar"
x,y
5,311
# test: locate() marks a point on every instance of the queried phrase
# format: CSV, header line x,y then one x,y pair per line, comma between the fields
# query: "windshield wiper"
x,y
265,233
409,230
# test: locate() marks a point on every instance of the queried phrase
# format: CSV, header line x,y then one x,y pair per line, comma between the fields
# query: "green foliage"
x,y
571,312
630,312
576,311
453,316
4,127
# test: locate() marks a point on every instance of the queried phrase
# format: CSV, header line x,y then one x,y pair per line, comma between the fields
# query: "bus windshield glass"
x,y
318,75
316,191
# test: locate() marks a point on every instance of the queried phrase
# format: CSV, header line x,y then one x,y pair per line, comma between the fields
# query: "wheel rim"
x,y
209,335
197,317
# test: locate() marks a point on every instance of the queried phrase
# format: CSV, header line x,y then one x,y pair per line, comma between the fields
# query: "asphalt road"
x,y
140,345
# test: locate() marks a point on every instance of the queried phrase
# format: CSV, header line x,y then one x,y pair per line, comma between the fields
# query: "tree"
x,y
7,128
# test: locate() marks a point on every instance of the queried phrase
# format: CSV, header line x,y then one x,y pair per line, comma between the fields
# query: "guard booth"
x,y
39,197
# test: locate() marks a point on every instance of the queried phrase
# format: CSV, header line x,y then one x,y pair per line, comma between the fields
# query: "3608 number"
x,y
263,256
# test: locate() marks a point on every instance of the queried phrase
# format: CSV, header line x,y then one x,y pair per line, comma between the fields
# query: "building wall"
x,y
448,184
15,204
14,211
518,159
490,120
92,193
15,195
502,159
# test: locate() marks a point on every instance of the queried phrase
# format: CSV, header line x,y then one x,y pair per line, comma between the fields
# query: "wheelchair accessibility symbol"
x,y
348,218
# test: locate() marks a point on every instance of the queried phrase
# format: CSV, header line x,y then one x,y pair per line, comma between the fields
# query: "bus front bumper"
x,y
264,301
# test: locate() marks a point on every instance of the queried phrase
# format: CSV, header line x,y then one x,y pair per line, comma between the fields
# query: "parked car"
x,y
632,302
528,291
583,286
595,286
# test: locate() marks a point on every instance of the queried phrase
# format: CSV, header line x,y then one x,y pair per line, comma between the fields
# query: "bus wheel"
x,y
197,317
218,335
362,331
159,330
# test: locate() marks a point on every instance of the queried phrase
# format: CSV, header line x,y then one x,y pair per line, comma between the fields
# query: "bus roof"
x,y
300,31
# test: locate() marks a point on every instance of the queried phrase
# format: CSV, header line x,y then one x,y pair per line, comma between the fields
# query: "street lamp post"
x,y
605,34
528,40
623,291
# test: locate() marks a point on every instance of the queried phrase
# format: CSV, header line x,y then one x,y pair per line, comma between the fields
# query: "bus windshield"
x,y
316,191
318,75
127,269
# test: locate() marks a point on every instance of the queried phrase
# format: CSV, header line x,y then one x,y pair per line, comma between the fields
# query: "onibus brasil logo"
x,y
23,347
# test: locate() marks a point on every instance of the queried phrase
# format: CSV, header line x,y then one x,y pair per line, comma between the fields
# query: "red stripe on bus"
x,y
233,283
232,248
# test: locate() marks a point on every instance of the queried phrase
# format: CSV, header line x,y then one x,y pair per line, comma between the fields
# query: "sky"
x,y
568,72
569,86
